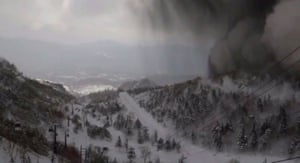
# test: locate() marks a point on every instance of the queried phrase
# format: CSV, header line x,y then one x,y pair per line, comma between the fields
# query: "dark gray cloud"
x,y
282,32
247,33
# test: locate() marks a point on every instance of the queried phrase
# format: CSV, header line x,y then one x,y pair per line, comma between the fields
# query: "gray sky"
x,y
104,27
67,21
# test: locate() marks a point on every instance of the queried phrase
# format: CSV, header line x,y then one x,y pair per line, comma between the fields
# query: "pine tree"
x,y
265,161
217,136
128,122
12,160
253,141
107,122
219,142
131,154
265,138
242,140
140,138
119,142
145,153
283,121
115,160
138,125
28,159
168,145
120,121
293,146
194,137
146,134
129,131
260,105
126,144
155,136
182,159
266,125
160,144
157,160
178,147
174,144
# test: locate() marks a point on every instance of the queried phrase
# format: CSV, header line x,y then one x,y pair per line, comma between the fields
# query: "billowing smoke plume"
x,y
282,32
249,34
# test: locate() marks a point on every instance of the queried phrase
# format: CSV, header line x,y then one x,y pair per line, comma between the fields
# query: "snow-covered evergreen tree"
x,y
155,136
115,161
217,136
242,141
294,145
168,145
160,144
146,136
182,159
138,125
119,142
145,153
126,145
282,117
131,154
265,139
119,122
253,140
140,138
157,160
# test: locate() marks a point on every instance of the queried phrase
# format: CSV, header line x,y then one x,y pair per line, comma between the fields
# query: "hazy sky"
x,y
125,21
94,22
68,21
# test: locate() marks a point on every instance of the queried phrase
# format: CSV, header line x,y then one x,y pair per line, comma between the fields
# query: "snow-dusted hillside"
x,y
28,108
141,84
107,113
198,121
227,116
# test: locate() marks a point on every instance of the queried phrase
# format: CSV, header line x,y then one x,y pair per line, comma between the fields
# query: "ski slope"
x,y
145,118
193,153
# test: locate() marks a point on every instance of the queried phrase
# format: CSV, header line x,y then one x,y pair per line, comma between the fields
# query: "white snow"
x,y
194,154
85,90
143,116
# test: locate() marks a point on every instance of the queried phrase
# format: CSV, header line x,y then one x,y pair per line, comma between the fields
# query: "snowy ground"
x,y
143,115
194,154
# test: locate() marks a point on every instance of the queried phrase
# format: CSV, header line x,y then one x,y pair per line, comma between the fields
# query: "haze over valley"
x,y
106,63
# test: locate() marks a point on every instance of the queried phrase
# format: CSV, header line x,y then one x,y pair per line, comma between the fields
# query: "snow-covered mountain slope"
x,y
143,116
116,115
198,121
27,110
119,115
141,84
57,86
192,152
222,116
26,100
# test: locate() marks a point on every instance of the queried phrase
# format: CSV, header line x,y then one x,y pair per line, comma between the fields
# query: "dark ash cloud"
x,y
247,32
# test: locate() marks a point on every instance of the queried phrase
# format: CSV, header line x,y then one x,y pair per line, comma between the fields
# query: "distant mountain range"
x,y
49,60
